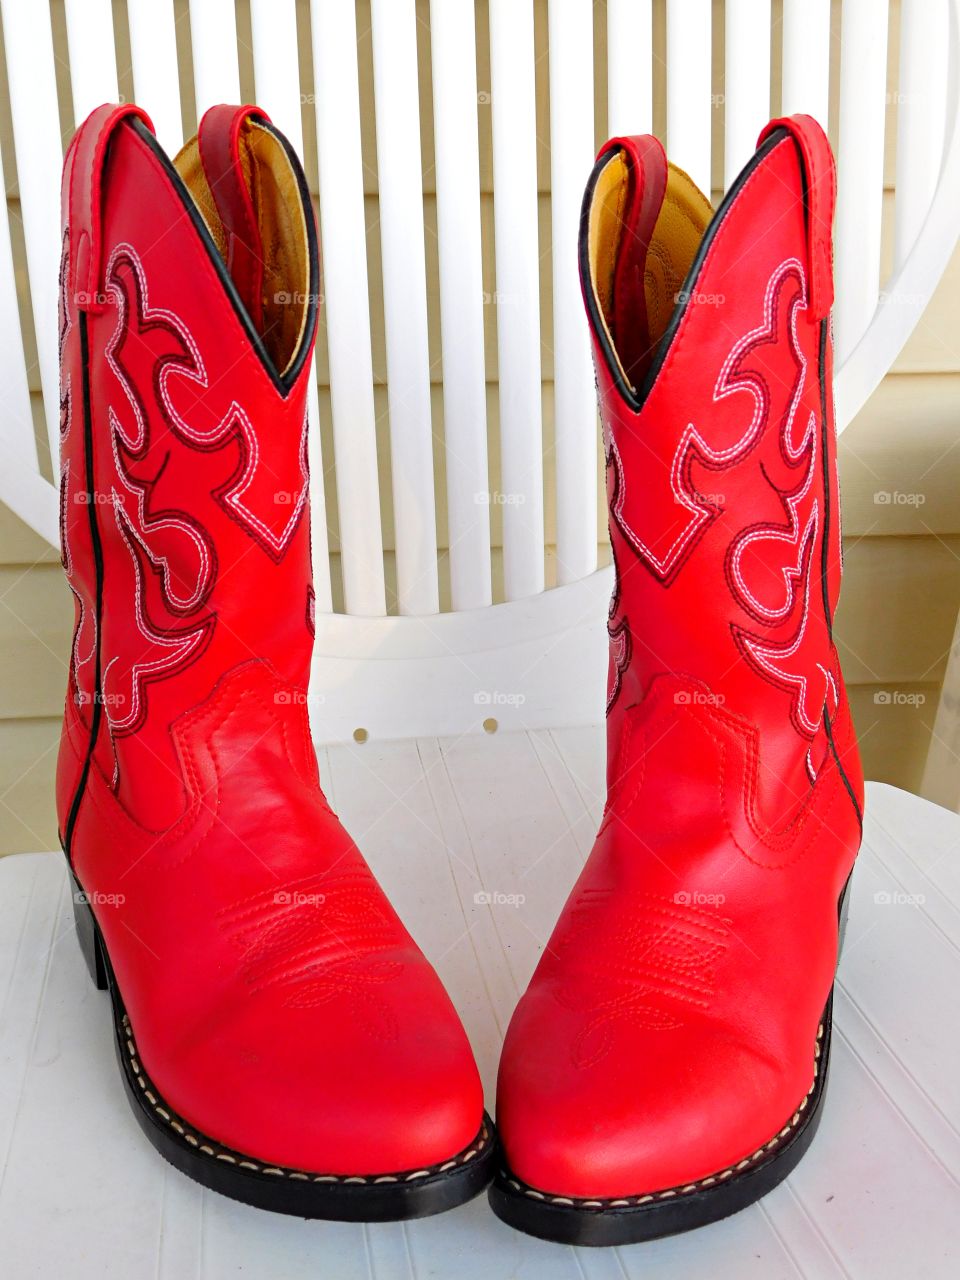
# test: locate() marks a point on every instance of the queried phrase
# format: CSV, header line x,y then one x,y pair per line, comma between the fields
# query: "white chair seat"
x,y
82,1194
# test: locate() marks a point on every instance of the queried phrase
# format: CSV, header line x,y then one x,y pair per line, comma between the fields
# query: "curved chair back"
x,y
456,476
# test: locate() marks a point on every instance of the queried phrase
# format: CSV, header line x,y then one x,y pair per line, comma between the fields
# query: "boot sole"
x,y
633,1219
376,1197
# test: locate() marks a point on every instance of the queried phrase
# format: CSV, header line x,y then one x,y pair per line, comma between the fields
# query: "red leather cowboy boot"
x,y
281,1037
667,1063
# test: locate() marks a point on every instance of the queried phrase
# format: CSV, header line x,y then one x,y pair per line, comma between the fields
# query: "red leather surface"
x,y
669,1029
219,139
276,999
82,197
647,181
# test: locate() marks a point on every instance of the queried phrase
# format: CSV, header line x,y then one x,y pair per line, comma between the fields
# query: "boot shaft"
x,y
188,312
713,353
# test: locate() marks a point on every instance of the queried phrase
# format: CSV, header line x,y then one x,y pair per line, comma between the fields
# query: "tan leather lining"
x,y
281,221
683,219
681,223
187,164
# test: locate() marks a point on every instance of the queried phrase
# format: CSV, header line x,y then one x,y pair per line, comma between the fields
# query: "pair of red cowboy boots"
x,y
281,1037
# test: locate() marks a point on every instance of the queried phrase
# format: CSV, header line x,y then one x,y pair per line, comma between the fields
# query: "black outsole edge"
x,y
634,1224
300,1196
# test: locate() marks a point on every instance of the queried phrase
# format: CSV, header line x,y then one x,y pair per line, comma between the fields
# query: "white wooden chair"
x,y
538,658
478,840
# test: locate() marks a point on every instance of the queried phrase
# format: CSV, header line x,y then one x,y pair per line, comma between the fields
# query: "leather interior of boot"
x,y
281,222
663,260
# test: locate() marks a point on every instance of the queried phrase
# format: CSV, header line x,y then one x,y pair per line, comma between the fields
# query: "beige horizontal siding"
x,y
28,819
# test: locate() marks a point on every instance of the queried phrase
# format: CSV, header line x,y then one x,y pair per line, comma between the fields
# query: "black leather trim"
x,y
836,759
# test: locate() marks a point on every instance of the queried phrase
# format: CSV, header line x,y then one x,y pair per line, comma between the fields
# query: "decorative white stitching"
x,y
234,417
766,655
177,649
791,536
205,568
691,441
85,616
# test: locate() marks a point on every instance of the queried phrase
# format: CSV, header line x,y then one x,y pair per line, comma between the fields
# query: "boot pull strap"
x,y
820,183
86,160
219,138
647,182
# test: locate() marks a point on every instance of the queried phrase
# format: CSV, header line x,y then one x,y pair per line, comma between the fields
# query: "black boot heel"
x,y
88,935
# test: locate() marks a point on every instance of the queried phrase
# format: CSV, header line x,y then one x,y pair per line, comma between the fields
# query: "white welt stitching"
x,y
690,1186
229,1158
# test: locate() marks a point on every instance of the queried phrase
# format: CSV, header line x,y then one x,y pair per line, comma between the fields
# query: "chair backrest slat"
x,y
806,59
512,63
400,186
93,61
689,88
454,71
156,81
216,65
570,38
32,79
921,116
544,476
343,227
746,93
863,90
629,67
273,25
